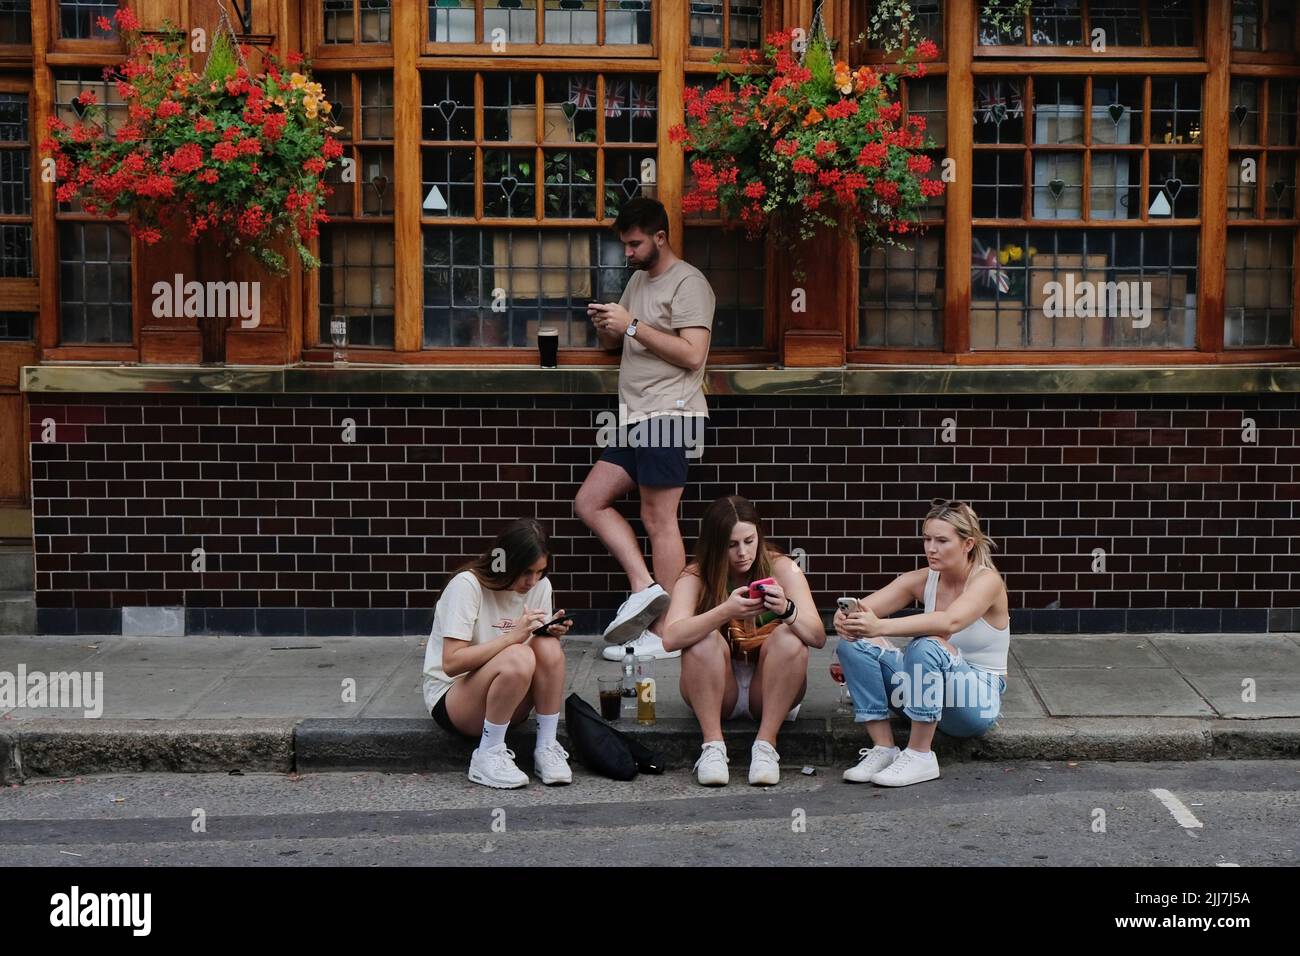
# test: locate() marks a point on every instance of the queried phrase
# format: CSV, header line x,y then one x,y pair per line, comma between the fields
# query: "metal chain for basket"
x,y
817,31
230,28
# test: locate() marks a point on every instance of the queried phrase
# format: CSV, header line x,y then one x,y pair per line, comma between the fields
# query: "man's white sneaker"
x,y
874,760
495,767
910,767
552,765
648,643
764,766
636,613
711,768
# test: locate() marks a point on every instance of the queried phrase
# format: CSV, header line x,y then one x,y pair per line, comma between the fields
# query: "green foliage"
x,y
222,61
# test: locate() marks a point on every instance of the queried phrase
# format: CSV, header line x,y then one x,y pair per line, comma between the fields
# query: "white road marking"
x,y
1185,817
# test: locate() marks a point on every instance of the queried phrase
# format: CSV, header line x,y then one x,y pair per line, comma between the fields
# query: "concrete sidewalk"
x,y
279,704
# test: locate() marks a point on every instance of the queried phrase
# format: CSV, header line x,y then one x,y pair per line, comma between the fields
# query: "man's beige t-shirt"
x,y
678,298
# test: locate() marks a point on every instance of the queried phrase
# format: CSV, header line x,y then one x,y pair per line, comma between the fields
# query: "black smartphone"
x,y
542,631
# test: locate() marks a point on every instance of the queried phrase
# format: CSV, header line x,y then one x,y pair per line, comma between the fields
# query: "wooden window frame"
x,y
1263,56
109,51
770,13
23,294
1030,51
340,55
967,63
859,22
672,72
353,145
321,51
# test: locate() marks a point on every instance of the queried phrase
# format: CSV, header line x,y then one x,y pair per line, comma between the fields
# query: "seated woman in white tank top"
x,y
952,674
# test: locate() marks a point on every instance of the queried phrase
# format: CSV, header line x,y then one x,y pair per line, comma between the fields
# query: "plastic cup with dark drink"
x,y
611,696
548,346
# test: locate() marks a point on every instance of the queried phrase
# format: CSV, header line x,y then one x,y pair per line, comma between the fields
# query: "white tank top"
x,y
982,645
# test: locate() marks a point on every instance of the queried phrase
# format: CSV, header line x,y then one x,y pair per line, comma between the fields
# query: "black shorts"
x,y
443,719
657,451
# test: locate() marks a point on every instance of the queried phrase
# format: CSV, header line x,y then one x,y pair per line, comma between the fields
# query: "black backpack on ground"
x,y
601,748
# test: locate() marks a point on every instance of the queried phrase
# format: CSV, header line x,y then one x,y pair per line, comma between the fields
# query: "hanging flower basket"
x,y
794,147
232,155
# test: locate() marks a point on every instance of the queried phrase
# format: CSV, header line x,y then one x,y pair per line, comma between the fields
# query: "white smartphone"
x,y
848,605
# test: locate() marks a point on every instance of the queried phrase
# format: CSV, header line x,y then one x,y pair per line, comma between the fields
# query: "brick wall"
x,y
305,533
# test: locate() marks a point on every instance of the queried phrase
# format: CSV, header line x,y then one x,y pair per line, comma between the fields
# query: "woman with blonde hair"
x,y
743,617
952,674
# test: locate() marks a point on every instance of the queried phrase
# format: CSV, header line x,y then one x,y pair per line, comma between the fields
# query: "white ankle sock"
x,y
927,755
493,734
546,724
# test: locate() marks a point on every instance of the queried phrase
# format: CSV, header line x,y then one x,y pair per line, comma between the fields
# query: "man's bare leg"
x,y
594,504
659,515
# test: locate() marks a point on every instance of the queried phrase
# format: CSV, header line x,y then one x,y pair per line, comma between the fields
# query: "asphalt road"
x,y
1204,813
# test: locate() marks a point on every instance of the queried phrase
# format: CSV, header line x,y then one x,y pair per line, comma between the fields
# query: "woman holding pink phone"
x,y
492,656
743,617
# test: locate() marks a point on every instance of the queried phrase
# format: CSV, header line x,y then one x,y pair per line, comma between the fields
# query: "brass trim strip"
x,y
603,380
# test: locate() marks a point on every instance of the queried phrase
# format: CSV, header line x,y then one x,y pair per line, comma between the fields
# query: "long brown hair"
x,y
513,552
710,558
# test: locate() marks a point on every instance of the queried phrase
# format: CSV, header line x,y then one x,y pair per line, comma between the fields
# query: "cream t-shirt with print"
x,y
678,298
467,611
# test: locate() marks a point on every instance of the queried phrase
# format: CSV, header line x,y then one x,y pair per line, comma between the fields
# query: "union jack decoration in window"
x,y
619,95
999,99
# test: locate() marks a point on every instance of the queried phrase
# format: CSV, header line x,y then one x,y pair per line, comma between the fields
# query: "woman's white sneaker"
x,y
711,768
764,764
495,767
552,765
636,614
874,760
910,767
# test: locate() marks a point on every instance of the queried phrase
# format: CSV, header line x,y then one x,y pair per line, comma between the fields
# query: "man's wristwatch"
x,y
631,328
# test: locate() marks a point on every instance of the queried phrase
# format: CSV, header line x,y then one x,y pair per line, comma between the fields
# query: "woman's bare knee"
x,y
518,660
786,644
547,653
709,652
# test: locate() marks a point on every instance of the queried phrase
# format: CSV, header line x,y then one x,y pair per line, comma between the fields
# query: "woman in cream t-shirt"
x,y
485,669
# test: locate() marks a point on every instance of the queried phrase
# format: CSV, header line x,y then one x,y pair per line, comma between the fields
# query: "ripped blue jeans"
x,y
923,682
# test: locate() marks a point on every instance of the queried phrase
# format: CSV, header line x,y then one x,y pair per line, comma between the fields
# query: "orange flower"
x,y
842,80
812,117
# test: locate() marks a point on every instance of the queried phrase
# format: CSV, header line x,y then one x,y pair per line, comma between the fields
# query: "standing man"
x,y
662,325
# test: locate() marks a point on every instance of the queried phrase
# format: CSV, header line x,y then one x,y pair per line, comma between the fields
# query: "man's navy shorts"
x,y
657,451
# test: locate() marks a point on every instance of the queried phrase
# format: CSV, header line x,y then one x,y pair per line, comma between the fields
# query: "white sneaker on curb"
x,y
552,765
495,767
636,613
648,643
711,768
910,767
874,759
764,765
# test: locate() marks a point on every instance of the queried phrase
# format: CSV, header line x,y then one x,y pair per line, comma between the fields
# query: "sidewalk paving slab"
x,y
1117,692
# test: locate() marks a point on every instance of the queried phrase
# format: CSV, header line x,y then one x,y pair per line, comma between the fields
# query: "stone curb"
x,y
53,747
